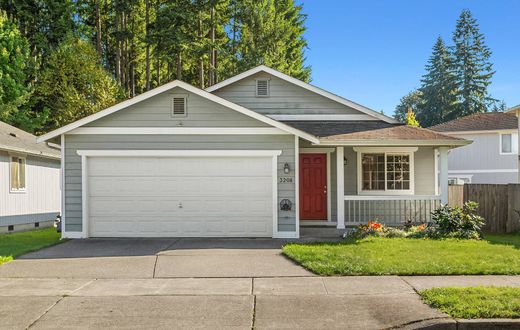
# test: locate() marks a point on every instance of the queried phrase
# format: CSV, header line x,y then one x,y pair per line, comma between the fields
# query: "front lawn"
x,y
16,244
475,302
498,254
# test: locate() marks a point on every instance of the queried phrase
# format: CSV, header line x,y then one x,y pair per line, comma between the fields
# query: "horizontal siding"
x,y
285,98
482,154
73,209
43,192
156,112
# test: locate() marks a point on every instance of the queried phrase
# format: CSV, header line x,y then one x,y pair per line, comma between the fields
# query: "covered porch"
x,y
392,175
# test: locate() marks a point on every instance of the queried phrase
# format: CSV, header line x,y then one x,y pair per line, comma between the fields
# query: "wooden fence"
x,y
499,204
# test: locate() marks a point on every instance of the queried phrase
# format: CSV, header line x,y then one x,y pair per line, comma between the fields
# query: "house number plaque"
x,y
285,179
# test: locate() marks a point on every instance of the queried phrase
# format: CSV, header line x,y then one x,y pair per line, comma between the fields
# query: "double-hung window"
x,y
506,144
17,174
387,172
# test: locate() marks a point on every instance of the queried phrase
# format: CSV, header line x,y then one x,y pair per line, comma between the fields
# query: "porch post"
x,y
443,174
340,187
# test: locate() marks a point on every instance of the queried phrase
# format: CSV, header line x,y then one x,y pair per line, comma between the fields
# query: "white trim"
x,y
391,197
73,234
189,88
382,150
324,117
62,184
380,143
491,131
297,184
386,191
314,89
180,153
316,150
515,110
514,144
85,154
496,170
11,189
340,187
328,152
179,131
42,154
436,169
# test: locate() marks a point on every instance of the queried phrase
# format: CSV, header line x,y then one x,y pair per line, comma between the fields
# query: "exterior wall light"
x,y
286,168
345,161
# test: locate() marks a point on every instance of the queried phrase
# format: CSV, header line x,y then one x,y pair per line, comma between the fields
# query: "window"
x,y
262,87
179,106
17,174
506,143
386,172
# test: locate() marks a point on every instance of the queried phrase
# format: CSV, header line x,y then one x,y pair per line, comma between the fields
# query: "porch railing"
x,y
392,210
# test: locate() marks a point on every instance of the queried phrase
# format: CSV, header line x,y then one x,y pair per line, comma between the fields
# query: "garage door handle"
x,y
180,205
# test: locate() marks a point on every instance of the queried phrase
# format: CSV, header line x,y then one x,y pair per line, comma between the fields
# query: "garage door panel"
x,y
190,197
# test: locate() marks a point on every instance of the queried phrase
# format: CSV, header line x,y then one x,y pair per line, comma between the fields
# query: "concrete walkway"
x,y
179,284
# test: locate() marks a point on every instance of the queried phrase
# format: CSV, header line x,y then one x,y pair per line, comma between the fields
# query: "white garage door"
x,y
180,196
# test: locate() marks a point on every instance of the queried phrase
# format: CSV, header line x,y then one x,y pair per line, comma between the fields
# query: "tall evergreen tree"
x,y
439,90
472,66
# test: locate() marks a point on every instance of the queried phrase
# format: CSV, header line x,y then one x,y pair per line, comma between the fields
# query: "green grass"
x,y
475,302
16,244
498,254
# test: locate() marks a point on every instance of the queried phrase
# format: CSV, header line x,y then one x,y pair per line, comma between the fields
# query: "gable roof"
x,y
189,88
396,135
314,89
488,121
514,110
17,140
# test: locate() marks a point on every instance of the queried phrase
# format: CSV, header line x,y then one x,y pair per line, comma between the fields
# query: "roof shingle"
x,y
15,139
488,121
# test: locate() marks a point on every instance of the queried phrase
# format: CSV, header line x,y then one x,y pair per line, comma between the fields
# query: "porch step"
x,y
321,232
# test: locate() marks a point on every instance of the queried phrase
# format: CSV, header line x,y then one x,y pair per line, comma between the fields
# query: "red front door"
x,y
313,187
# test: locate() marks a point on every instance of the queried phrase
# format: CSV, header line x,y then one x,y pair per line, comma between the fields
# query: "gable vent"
x,y
179,106
262,87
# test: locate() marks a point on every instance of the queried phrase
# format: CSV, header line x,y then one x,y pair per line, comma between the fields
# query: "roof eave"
x,y
29,152
394,143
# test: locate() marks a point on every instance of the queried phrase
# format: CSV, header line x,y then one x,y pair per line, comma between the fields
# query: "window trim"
x,y
513,151
268,87
177,96
386,153
11,160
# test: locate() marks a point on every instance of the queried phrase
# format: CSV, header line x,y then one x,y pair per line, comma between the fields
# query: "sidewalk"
x,y
368,302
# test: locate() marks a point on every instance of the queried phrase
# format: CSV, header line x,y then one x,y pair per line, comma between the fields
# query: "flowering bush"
x,y
375,228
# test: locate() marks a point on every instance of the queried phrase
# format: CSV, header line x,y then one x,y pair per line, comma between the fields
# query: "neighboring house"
x,y
516,111
493,155
29,181
256,155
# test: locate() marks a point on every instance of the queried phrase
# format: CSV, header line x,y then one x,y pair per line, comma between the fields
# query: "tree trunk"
x,y
179,66
201,58
108,56
211,78
147,23
98,31
118,49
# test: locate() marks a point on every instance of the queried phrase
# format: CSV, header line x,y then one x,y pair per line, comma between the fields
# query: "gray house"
x,y
29,181
493,155
516,111
258,155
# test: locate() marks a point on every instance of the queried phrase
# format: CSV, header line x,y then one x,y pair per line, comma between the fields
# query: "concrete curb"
x,y
463,324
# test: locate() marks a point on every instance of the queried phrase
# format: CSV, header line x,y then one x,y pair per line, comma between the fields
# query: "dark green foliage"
x,y
458,222
411,101
438,87
74,85
471,65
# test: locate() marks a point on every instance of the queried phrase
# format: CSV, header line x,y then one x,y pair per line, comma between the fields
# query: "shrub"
x,y
458,222
375,228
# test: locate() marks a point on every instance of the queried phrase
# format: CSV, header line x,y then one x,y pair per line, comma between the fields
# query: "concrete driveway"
x,y
194,283
156,258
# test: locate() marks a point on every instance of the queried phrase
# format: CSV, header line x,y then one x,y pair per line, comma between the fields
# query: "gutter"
x,y
30,152
394,143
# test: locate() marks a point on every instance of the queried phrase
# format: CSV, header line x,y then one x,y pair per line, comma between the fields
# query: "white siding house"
x,y
516,111
492,157
29,181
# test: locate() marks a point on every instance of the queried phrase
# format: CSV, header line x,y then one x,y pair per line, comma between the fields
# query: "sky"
x,y
373,52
